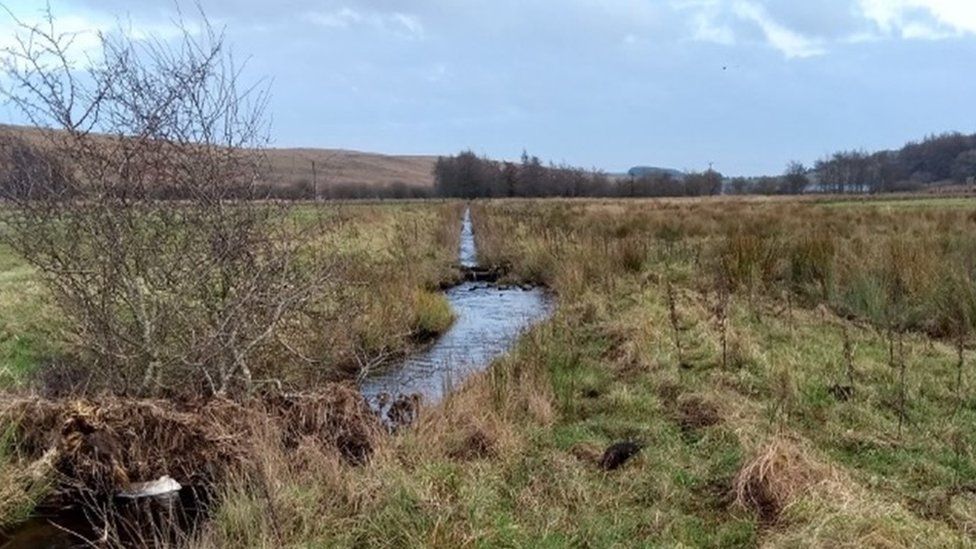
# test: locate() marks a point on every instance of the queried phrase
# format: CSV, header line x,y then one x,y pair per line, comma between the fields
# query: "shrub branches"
x,y
162,296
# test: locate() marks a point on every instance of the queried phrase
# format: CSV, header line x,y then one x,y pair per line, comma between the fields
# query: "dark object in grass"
x,y
842,393
619,453
591,393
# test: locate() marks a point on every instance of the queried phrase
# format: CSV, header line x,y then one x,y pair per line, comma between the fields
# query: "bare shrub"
x,y
163,296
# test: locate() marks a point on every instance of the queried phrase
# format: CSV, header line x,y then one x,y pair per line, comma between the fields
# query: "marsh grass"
x,y
22,487
748,446
432,315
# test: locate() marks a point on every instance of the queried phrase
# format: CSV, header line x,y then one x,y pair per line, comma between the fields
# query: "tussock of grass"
x,y
775,477
432,314
22,484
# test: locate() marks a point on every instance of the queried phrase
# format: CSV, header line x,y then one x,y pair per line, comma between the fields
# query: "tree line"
x,y
945,159
466,175
948,158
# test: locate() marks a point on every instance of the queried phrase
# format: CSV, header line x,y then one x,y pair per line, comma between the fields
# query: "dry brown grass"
x,y
776,476
292,167
101,445
341,167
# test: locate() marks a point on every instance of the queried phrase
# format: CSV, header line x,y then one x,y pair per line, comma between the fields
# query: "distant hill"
x,y
649,171
328,167
342,167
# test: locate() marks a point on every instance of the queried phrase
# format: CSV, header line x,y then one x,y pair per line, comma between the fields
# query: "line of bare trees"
x,y
937,159
467,175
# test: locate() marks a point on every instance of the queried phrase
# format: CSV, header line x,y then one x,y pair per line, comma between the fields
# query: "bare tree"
x,y
130,204
796,178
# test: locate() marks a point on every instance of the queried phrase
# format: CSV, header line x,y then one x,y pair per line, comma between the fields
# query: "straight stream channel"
x,y
489,318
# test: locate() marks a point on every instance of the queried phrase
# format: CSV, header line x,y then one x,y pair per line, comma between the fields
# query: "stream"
x,y
488,320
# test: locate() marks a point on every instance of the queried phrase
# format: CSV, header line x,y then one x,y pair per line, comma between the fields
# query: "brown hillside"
x,y
294,167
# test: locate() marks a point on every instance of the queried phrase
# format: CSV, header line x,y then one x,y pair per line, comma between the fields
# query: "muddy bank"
x,y
95,455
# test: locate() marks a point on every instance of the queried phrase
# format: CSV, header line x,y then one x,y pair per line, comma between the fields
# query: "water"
x,y
488,321
468,255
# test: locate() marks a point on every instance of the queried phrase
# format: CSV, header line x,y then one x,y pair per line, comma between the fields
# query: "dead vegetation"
x,y
104,445
694,412
775,477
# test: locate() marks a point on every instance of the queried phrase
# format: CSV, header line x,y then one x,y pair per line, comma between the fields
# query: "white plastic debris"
x,y
161,486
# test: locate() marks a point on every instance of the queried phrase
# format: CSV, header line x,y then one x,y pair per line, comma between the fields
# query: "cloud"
x,y
84,30
803,30
341,18
791,43
397,23
926,19
707,26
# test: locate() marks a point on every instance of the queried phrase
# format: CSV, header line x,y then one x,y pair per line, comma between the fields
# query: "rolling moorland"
x,y
291,170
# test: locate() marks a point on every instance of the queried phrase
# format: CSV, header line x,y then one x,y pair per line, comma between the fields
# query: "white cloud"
x,y
792,44
397,23
84,31
928,19
341,18
719,22
850,22
708,29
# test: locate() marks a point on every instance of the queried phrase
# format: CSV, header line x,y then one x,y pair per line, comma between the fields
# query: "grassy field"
x,y
382,302
799,374
391,258
803,431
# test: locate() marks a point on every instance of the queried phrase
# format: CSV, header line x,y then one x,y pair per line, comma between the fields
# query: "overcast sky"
x,y
745,84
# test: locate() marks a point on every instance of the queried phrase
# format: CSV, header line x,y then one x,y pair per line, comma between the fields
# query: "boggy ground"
x,y
790,437
792,370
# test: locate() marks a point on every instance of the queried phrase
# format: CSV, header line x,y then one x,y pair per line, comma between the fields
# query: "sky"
x,y
743,85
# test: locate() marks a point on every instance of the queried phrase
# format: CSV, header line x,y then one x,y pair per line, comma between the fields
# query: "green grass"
x,y
432,314
27,323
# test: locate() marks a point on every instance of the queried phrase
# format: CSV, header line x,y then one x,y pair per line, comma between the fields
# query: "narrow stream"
x,y
489,319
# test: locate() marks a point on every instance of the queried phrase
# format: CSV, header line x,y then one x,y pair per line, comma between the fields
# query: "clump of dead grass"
x,y
775,477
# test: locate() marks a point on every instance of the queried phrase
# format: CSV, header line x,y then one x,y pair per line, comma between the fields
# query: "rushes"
x,y
675,321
